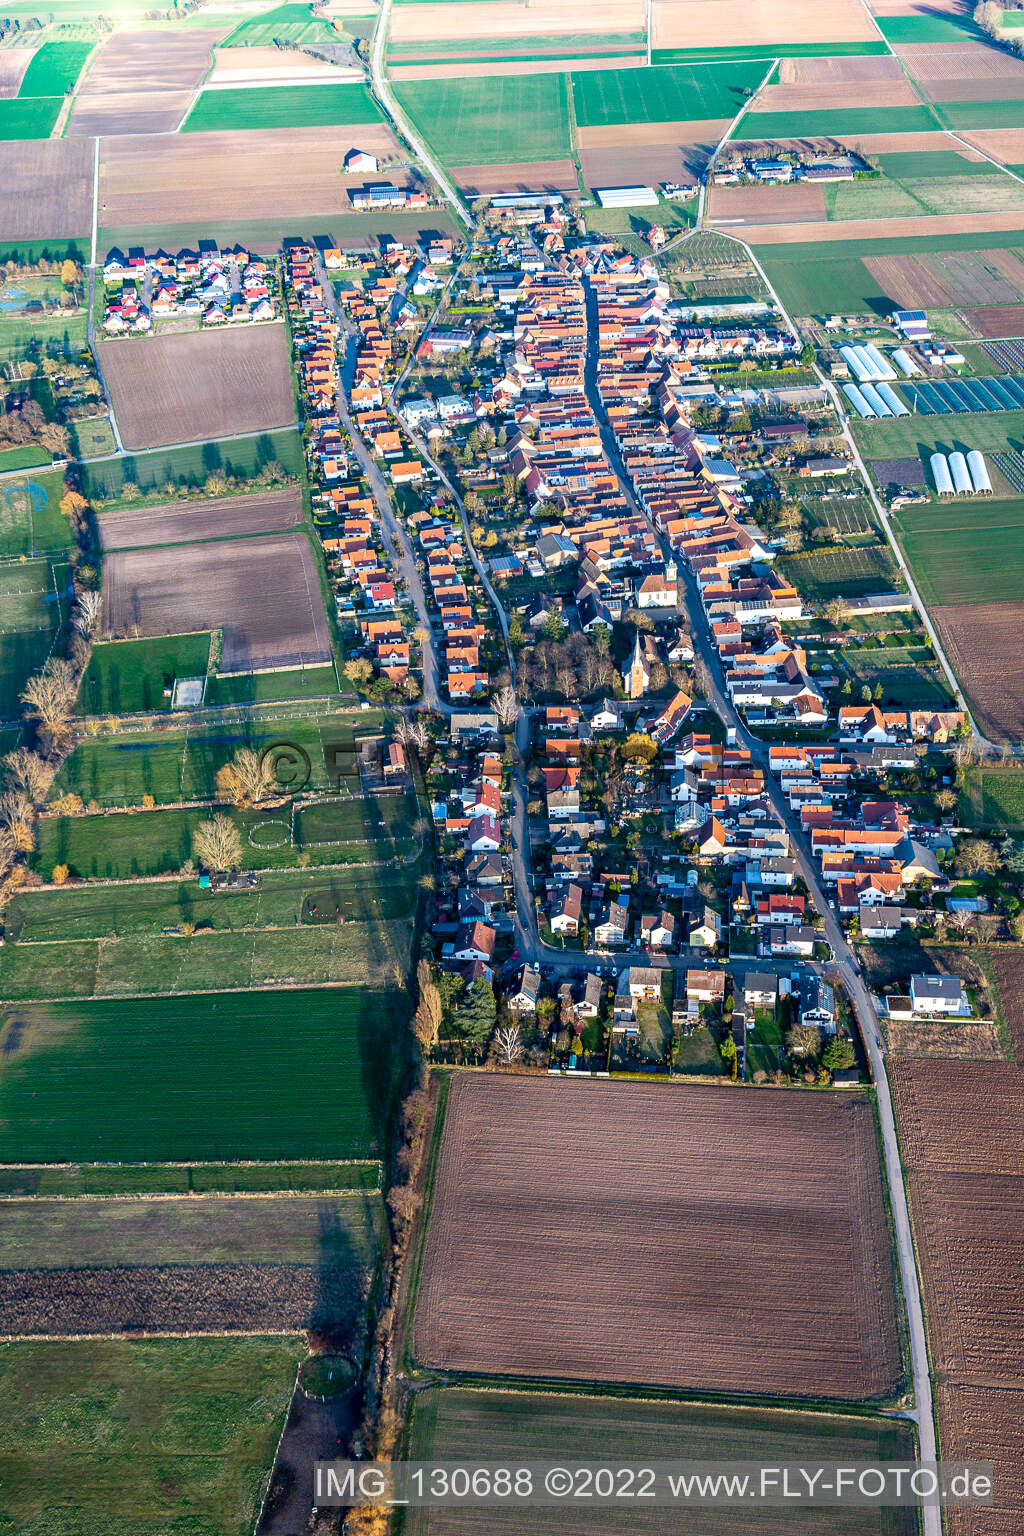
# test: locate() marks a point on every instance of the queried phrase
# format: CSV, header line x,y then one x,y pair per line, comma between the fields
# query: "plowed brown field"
x,y
830,94
264,592
266,512
841,71
767,205
765,23
13,64
466,68
207,178
962,1136
1003,144
997,319
47,188
595,1232
193,386
938,225
526,176
142,82
971,635
426,23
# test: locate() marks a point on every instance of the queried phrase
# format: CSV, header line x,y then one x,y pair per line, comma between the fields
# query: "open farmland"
x,y
963,1147
289,23
668,93
13,64
446,27
481,121
123,1436
54,68
840,122
268,65
694,24
29,117
527,176
263,592
31,522
213,1264
141,82
211,1075
733,1196
964,553
825,573
229,517
282,106
241,458
966,71
200,384
993,798
128,675
971,635
207,179
454,1423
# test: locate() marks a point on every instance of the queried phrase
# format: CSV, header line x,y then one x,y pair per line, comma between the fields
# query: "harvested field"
x,y
766,205
971,635
817,70
180,1298
937,227
637,135
142,82
681,163
951,1042
47,189
964,71
266,65
13,64
527,176
199,385
433,23
996,320
733,1195
208,178
695,24
1003,144
985,1422
266,512
832,94
263,592
962,1135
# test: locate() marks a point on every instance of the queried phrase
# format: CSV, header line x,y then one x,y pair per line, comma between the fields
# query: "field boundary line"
x,y
95,204
874,22
195,1194
149,1333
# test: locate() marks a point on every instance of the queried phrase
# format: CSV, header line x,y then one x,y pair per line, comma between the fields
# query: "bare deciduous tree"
x,y
506,705
29,772
50,695
86,613
248,779
508,1045
217,844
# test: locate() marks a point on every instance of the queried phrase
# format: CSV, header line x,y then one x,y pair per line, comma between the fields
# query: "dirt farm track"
x,y
199,384
615,1232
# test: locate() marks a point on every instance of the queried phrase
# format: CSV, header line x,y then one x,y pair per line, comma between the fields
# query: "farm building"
x,y
360,160
626,197
911,323
979,473
941,475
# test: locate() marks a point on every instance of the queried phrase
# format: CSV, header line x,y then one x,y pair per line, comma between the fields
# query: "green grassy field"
x,y
54,69
65,333
779,50
110,1436
286,23
268,687
29,117
917,165
282,106
820,574
22,458
505,49
241,457
993,798
905,437
26,252
179,765
928,29
35,599
1006,113
483,120
835,123
158,965
158,842
917,196
1012,20
128,675
92,438
73,1181
963,552
282,899
272,1075
662,93
453,1423
31,522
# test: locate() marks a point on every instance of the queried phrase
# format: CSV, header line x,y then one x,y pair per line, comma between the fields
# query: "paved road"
x,y
388,101
400,547
845,960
